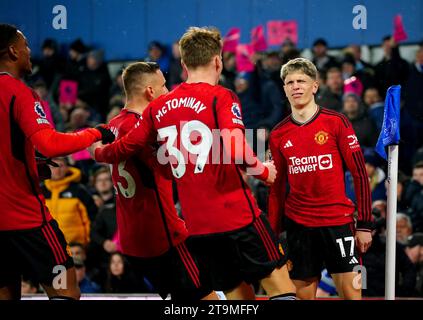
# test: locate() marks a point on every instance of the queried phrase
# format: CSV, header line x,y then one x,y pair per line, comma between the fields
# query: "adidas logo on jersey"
x,y
288,144
353,260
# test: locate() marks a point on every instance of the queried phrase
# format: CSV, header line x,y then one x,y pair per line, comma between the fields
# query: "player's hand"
x,y
95,145
272,172
107,136
363,240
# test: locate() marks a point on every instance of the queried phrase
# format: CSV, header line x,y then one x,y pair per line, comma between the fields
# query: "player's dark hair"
x,y
8,34
133,75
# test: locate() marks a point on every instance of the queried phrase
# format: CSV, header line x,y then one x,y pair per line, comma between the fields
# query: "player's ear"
x,y
218,63
149,93
315,87
12,51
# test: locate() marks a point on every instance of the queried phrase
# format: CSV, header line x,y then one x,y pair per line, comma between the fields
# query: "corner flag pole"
x,y
391,223
389,137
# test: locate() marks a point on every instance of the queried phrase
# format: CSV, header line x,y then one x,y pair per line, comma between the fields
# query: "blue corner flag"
x,y
390,133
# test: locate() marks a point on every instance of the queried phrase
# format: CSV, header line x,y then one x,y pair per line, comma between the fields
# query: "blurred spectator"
x,y
271,108
95,83
349,69
228,75
103,240
157,53
330,96
404,227
374,262
364,128
29,287
376,175
51,64
414,97
321,59
414,251
392,69
69,202
77,60
117,85
84,282
175,67
375,106
250,107
360,64
78,250
120,278
402,185
103,187
414,197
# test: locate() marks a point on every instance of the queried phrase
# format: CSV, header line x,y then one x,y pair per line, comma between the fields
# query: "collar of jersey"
x,y
315,115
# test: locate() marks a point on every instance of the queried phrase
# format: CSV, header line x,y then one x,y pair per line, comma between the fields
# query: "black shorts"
x,y
33,254
310,250
248,254
176,272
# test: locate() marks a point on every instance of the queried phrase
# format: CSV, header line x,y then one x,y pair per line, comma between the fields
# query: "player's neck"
x,y
206,75
305,113
136,104
10,69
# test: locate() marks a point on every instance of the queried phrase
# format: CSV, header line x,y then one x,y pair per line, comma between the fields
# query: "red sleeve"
x,y
353,157
277,193
53,144
127,146
229,113
229,117
29,112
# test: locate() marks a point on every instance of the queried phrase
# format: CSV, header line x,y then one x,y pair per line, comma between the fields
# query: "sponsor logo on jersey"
x,y
310,164
321,137
353,260
237,121
41,114
236,110
288,144
353,141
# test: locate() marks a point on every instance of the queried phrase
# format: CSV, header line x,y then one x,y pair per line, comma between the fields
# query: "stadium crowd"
x,y
78,92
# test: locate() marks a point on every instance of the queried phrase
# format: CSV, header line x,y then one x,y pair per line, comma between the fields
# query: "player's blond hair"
x,y
133,76
299,65
198,46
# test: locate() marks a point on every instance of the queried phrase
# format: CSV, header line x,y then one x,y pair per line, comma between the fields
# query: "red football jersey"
x,y
21,200
147,220
311,157
214,197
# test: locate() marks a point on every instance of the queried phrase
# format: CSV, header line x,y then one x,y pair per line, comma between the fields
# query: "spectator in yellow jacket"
x,y
69,202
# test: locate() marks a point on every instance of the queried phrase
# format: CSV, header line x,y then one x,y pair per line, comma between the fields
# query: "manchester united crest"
x,y
321,137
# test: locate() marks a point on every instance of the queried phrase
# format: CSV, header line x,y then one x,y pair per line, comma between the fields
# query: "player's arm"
x,y
127,146
354,159
277,192
51,143
31,118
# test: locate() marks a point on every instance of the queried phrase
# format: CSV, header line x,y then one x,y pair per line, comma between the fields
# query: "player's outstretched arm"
x,y
128,145
51,143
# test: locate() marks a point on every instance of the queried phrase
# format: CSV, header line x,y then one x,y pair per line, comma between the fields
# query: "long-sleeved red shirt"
x,y
310,158
24,127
